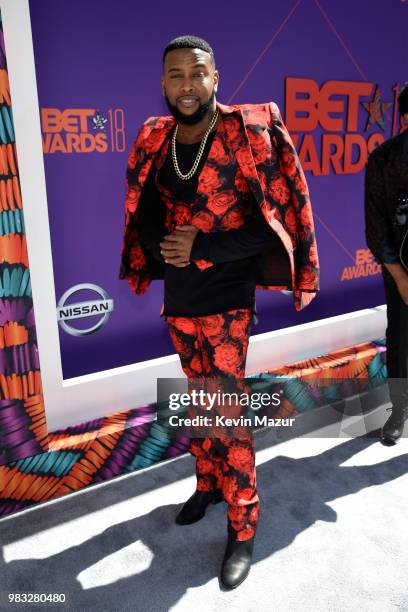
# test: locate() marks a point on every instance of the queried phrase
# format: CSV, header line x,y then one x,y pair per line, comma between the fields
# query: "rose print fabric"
x,y
257,140
229,283
211,346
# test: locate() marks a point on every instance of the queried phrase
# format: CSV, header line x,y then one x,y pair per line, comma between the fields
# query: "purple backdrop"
x,y
101,56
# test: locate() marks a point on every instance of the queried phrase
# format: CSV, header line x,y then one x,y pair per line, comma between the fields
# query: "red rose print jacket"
x,y
268,162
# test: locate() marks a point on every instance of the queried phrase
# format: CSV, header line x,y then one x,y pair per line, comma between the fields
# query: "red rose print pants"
x,y
211,346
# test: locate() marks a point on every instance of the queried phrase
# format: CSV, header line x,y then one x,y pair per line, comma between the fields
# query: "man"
x,y
386,212
217,204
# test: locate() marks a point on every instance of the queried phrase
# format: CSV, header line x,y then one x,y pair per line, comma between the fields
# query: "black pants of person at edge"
x,y
397,343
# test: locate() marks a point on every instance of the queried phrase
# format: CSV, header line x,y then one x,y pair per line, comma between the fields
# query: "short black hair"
x,y
189,42
403,99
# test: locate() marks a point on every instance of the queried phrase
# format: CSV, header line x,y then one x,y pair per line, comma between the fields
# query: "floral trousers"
x,y
216,346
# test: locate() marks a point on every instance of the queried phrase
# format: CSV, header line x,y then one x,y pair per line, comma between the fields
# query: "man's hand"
x,y
176,247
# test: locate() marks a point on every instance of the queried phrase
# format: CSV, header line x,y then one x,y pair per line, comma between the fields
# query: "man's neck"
x,y
188,134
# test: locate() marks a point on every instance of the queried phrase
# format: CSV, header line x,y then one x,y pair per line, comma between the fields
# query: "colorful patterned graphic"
x,y
86,454
376,109
357,369
22,419
121,443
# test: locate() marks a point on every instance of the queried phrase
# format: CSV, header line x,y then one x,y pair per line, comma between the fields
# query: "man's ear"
x,y
216,80
162,86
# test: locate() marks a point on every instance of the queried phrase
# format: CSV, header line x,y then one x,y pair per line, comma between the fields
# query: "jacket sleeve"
x,y
133,264
290,191
151,221
377,225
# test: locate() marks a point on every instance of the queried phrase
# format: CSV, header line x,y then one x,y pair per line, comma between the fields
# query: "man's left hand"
x,y
176,247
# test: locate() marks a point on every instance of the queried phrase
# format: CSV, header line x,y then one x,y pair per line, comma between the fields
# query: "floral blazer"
x,y
269,163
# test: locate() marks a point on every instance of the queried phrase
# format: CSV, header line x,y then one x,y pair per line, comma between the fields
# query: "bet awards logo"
x,y
83,130
364,265
101,307
335,126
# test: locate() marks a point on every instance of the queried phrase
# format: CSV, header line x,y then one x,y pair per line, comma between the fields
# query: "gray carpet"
x,y
332,537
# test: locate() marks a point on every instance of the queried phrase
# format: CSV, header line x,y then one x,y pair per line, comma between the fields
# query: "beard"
x,y
196,117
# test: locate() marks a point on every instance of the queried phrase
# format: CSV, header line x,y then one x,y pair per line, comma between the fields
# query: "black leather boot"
x,y
195,507
394,426
237,561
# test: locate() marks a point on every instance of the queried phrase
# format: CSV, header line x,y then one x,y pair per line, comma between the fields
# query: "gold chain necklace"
x,y
186,177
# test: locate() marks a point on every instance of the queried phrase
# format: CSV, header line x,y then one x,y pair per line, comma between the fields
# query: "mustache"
x,y
194,118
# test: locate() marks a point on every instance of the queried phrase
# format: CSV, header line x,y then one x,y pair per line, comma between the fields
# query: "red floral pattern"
x,y
279,190
238,329
181,214
232,219
227,357
213,326
241,182
221,202
203,220
203,264
255,140
218,154
209,181
216,345
240,458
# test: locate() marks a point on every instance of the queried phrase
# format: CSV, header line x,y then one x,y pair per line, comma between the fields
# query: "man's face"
x,y
189,83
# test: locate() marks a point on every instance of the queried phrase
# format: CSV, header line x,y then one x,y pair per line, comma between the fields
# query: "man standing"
x,y
386,213
217,204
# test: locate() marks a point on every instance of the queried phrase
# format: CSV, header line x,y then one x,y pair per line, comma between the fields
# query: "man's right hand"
x,y
176,247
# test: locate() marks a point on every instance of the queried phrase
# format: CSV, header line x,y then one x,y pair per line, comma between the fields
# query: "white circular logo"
x,y
78,310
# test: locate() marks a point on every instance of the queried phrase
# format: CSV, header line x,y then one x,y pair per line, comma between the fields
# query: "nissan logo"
x,y
78,310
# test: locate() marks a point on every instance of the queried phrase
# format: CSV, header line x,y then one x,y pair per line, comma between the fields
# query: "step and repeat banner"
x,y
331,69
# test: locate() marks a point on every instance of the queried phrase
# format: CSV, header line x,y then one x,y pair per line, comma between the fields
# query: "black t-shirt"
x,y
229,283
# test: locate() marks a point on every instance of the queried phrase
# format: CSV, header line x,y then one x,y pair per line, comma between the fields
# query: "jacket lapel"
x,y
158,133
239,142
153,142
237,138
